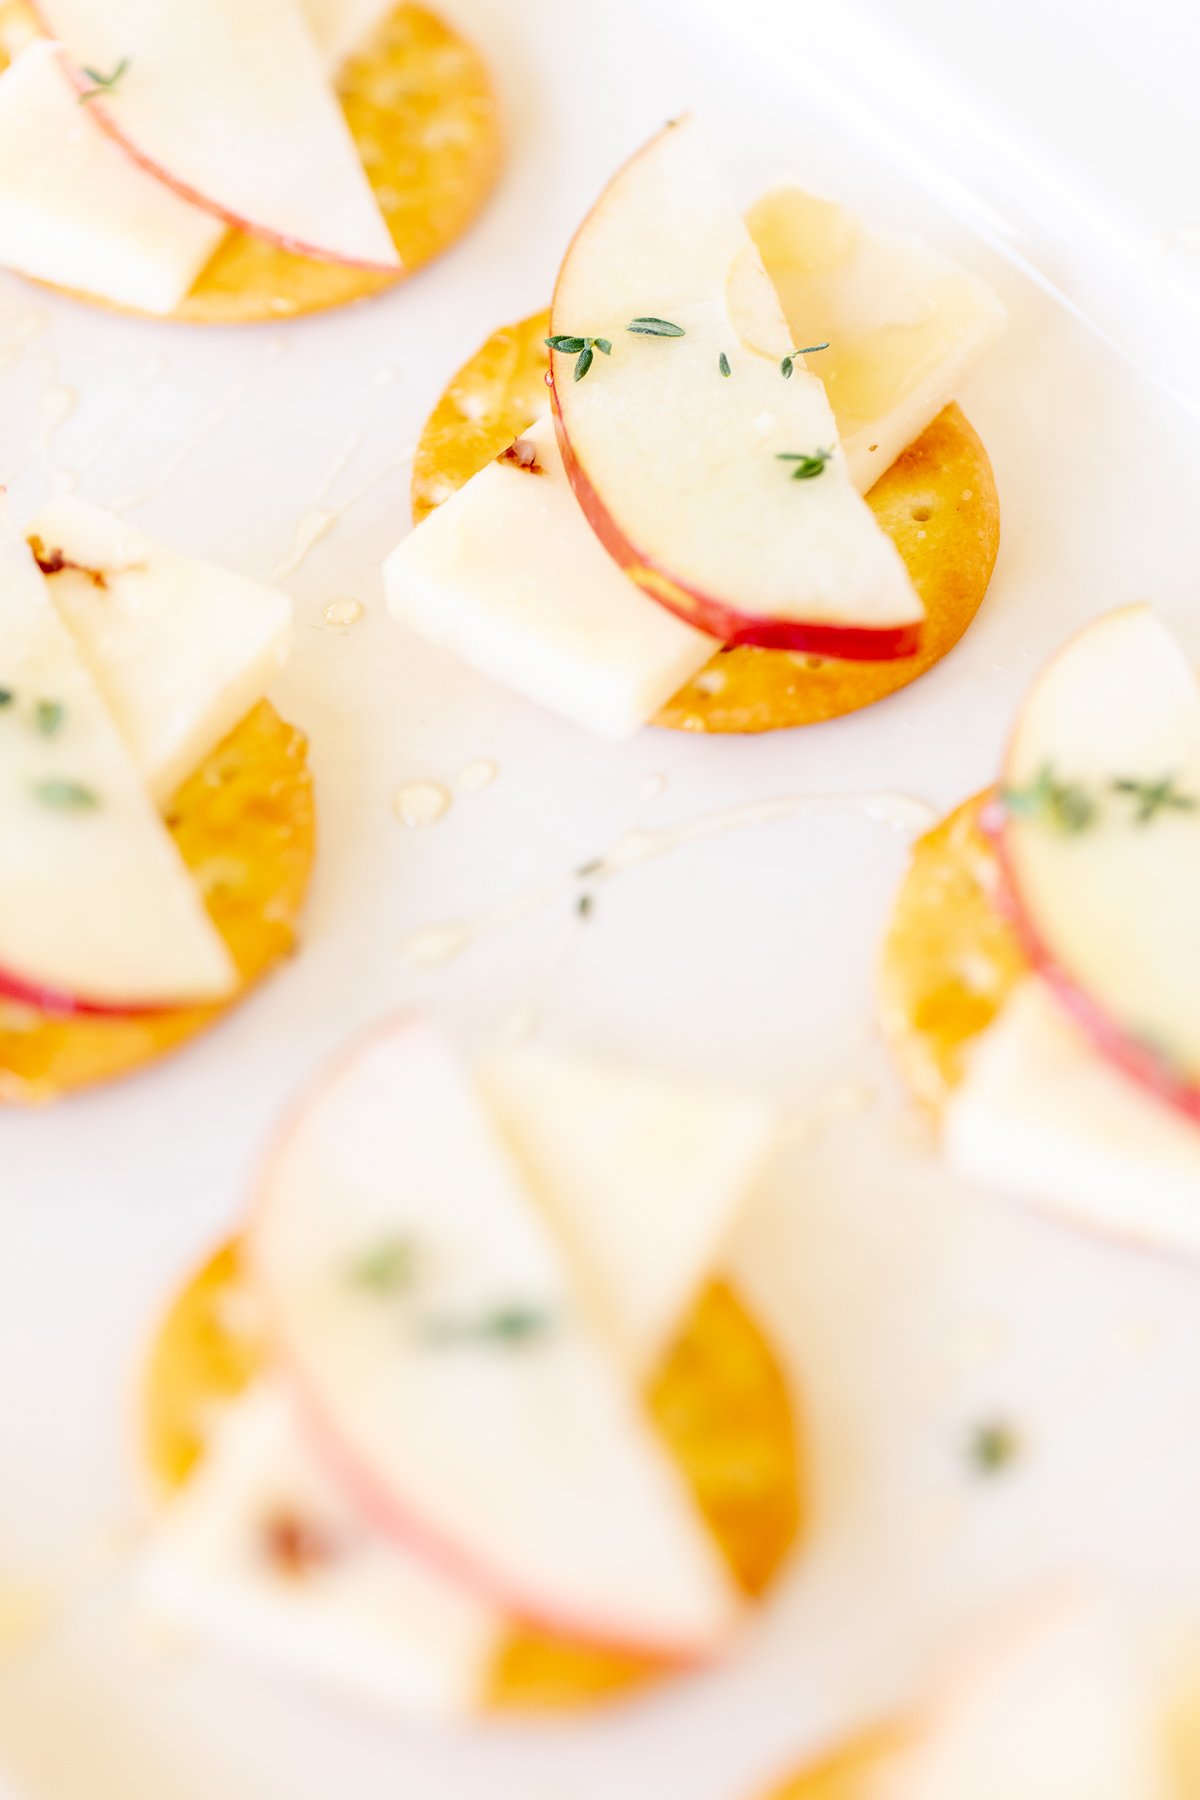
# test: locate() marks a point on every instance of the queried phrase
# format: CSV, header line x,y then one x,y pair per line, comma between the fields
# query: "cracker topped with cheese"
x,y
157,822
722,484
469,1418
1040,977
229,161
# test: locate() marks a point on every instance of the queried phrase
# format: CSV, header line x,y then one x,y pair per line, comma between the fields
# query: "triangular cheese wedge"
x,y
451,1370
75,210
96,906
644,1177
264,1555
180,649
228,102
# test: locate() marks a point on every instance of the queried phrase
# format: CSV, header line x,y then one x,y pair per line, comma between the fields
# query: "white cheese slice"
x,y
229,103
77,211
1043,1115
96,904
644,1178
519,1450
349,1609
1050,1710
904,324
508,575
180,649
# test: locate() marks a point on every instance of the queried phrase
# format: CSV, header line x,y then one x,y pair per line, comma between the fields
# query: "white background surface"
x,y
909,1308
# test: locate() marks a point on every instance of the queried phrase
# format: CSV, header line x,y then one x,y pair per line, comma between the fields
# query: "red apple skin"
x,y
50,1000
1133,1058
383,1508
108,124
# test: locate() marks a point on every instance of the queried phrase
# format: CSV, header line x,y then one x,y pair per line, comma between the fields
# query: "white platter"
x,y
910,1308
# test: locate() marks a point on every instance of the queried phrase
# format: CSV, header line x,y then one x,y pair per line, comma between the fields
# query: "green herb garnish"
x,y
48,716
1153,797
585,906
512,1326
655,328
787,367
66,796
808,462
6,697
104,84
582,348
723,364
993,1445
387,1269
1063,805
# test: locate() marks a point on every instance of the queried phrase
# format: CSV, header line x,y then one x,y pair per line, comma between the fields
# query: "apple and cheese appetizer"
x,y
236,160
1050,1709
156,819
467,1419
648,504
1041,978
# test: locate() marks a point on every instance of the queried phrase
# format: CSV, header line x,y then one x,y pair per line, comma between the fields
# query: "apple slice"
x,y
263,1555
1099,840
228,103
76,211
507,576
644,1177
1043,1115
97,910
180,649
450,1368
903,323
725,497
1049,1711
342,27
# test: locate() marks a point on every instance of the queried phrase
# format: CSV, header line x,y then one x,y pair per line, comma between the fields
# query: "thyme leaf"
x,y
65,795
1153,797
723,365
809,463
512,1326
101,83
655,328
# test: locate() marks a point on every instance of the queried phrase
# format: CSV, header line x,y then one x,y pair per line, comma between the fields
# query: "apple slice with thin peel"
x,y
450,1369
726,497
228,102
342,27
1048,1711
97,910
1099,841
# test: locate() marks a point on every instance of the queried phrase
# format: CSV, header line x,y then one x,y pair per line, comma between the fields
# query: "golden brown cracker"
x,y
850,1773
420,104
721,1402
244,824
937,503
950,959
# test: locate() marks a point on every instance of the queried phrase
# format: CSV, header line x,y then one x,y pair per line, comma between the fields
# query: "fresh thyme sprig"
x,y
1153,797
512,1326
1063,805
787,367
809,463
65,795
104,84
582,348
655,328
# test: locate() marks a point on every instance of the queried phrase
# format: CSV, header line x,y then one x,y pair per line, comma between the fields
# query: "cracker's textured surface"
x,y
427,123
245,826
937,503
846,1775
950,960
721,1402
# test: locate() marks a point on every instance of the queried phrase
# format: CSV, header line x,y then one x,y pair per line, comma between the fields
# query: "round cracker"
x,y
420,104
937,503
721,1402
950,959
244,824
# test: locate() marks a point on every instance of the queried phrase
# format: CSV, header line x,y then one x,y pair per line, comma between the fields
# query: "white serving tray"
x,y
910,1308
